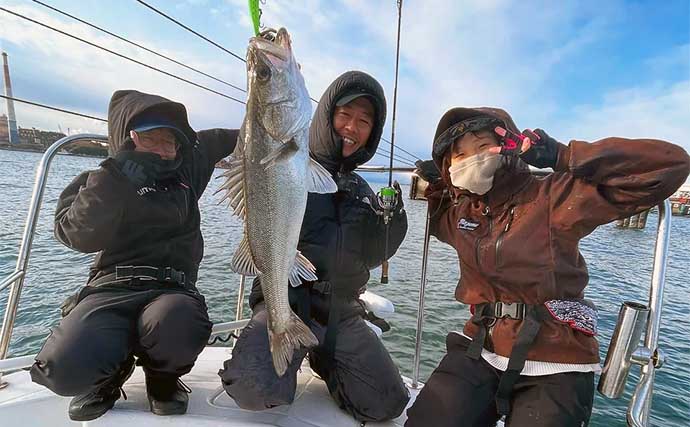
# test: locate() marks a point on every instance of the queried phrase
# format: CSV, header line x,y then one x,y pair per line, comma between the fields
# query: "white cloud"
x,y
504,52
660,111
95,74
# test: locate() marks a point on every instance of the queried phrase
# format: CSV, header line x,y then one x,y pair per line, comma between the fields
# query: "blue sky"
x,y
580,70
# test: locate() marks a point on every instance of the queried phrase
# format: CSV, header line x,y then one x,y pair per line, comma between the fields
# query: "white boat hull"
x,y
23,403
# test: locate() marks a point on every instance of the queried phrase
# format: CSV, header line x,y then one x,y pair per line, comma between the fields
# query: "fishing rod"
x,y
389,195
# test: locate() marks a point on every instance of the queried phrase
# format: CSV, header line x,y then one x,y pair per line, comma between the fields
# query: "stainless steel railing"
x,y
625,350
648,356
420,309
16,279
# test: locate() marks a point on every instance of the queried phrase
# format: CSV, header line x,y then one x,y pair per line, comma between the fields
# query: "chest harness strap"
x,y
485,316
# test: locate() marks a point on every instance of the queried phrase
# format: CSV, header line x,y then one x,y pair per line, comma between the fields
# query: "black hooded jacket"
x,y
101,211
341,234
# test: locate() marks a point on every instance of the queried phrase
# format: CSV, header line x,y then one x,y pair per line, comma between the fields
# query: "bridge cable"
x,y
399,158
139,46
123,56
232,53
36,104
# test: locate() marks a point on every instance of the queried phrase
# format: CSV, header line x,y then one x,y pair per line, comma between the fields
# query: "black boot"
x,y
89,406
167,395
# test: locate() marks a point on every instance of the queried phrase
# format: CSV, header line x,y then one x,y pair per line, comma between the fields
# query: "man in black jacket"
x,y
343,235
140,212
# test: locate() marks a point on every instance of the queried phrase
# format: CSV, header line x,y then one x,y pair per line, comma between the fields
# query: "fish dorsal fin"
x,y
242,261
234,182
302,269
283,153
319,179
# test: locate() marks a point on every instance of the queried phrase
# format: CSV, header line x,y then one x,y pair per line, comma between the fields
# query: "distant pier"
x,y
638,221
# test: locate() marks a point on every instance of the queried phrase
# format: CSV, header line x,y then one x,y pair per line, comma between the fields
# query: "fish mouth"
x,y
273,46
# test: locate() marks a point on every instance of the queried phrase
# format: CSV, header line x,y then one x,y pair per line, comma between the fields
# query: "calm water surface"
x,y
619,264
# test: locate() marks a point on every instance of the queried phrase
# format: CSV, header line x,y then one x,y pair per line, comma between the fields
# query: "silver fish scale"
x,y
275,127
275,201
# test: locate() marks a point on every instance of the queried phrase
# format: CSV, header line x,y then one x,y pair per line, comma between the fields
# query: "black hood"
x,y
324,144
126,104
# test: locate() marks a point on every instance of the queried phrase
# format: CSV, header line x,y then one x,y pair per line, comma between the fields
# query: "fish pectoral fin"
x,y
234,183
302,270
283,153
320,180
242,261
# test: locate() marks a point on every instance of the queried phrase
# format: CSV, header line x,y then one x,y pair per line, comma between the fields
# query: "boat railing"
x,y
15,281
625,348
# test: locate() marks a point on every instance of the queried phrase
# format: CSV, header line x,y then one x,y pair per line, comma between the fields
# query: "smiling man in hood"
x,y
139,211
343,235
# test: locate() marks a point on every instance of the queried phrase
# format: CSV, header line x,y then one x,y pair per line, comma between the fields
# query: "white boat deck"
x,y
23,403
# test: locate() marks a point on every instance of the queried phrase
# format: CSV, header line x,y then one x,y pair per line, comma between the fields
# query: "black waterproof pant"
x,y
461,393
363,379
164,328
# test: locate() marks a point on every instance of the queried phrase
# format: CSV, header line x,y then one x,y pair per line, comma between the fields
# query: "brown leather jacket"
x,y
519,242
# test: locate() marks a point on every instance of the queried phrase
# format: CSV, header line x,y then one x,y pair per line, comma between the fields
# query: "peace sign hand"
x,y
537,148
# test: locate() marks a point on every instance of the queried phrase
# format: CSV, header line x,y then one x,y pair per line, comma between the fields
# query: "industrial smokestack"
x,y
11,118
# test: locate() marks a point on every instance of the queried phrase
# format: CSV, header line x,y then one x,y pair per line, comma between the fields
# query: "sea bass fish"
x,y
270,175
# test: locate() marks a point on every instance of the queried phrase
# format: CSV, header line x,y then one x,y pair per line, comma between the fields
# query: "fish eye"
x,y
263,73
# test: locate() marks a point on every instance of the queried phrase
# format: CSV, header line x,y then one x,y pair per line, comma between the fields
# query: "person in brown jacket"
x,y
529,351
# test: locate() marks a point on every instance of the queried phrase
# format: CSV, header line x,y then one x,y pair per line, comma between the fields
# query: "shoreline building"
x,y
39,138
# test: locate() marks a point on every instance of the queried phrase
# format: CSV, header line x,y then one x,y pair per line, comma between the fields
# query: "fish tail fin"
x,y
284,343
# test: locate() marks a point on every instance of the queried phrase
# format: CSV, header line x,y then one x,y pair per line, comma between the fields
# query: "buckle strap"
x,y
482,313
165,274
534,317
485,315
514,310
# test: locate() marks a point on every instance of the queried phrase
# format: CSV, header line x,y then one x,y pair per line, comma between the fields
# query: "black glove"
x,y
143,169
399,205
428,171
544,150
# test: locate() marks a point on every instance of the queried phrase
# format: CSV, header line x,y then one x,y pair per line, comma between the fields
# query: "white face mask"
x,y
476,173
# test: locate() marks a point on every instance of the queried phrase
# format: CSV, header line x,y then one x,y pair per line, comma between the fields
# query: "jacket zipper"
x,y
338,234
186,200
486,213
499,241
